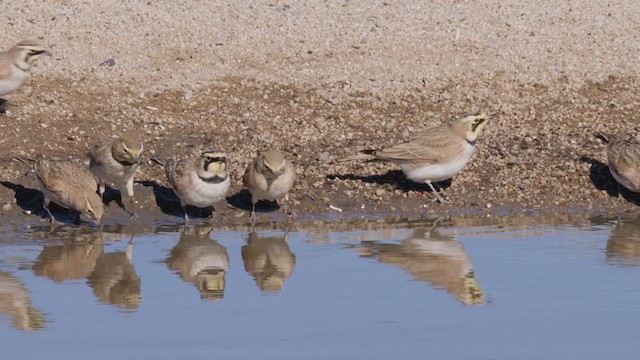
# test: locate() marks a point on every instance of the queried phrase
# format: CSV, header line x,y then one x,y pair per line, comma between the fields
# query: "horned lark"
x,y
269,260
69,185
269,177
15,65
199,181
200,260
115,162
623,158
436,154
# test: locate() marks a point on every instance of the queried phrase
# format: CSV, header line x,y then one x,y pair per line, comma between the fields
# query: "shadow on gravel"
x,y
395,178
112,194
242,201
169,203
32,200
602,179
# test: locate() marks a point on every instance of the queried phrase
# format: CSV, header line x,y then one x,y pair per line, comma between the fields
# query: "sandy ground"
x,y
322,80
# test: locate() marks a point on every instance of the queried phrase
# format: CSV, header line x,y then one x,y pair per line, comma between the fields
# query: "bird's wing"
x,y
51,179
6,62
430,146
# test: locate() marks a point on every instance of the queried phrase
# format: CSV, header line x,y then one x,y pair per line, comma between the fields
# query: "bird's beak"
x,y
47,53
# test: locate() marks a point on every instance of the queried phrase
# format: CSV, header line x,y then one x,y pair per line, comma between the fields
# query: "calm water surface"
x,y
407,290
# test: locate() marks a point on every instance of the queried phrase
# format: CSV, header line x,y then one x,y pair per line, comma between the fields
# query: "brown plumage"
x,y
69,185
116,162
623,159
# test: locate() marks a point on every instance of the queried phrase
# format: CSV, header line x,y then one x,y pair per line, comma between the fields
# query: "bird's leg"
x,y
133,201
620,196
286,209
52,219
253,216
101,189
213,218
184,210
439,198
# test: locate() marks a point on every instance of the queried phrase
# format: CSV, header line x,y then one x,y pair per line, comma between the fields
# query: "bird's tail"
x,y
365,155
606,138
26,161
158,161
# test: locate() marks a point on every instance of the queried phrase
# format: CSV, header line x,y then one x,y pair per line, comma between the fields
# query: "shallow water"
x,y
406,290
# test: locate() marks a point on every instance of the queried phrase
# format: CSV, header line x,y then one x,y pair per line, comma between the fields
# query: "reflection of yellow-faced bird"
x,y
200,260
435,258
15,301
114,279
200,181
269,259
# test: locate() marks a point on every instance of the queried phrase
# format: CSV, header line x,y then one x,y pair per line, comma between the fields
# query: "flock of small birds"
x,y
434,155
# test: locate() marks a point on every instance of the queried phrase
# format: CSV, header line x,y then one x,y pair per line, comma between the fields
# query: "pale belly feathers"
x,y
116,173
439,172
203,194
278,189
13,82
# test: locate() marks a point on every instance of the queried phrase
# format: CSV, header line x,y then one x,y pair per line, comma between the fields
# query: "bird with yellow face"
x,y
199,181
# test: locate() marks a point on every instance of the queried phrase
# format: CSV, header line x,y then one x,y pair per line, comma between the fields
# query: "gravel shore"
x,y
323,80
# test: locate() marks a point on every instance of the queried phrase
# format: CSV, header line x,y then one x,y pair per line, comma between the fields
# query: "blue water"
x,y
535,292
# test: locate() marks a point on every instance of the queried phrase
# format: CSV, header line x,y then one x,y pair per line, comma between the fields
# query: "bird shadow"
x,y
169,202
4,105
394,178
242,200
32,201
602,179
111,194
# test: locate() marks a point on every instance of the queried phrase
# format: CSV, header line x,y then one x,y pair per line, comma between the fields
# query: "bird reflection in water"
x,y
114,279
433,257
623,245
269,260
15,302
200,260
75,259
